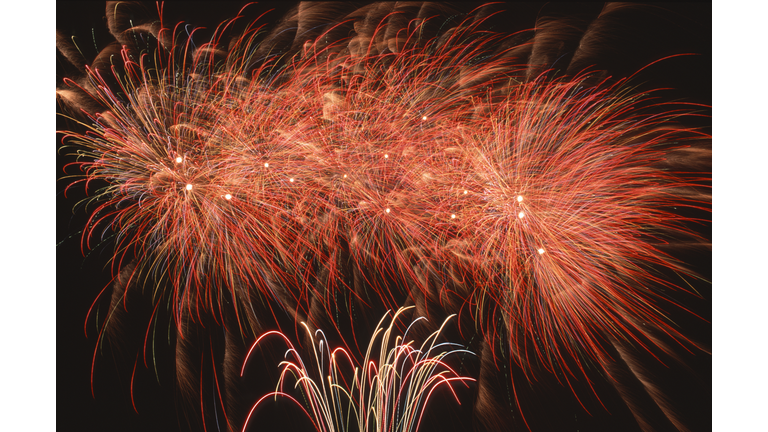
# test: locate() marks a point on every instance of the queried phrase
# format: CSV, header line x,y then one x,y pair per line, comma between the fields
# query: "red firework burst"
x,y
401,155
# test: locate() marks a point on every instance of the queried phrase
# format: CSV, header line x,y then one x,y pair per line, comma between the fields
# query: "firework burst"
x,y
390,394
419,159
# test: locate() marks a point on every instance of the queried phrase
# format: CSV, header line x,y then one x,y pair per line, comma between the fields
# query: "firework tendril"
x,y
385,395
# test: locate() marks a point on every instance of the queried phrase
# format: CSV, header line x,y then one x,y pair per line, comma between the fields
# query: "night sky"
x,y
79,280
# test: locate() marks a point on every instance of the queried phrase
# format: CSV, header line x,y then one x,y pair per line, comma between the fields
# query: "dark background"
x,y
81,279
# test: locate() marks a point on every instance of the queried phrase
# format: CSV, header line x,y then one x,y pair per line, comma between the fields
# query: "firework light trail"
x,y
388,394
240,181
